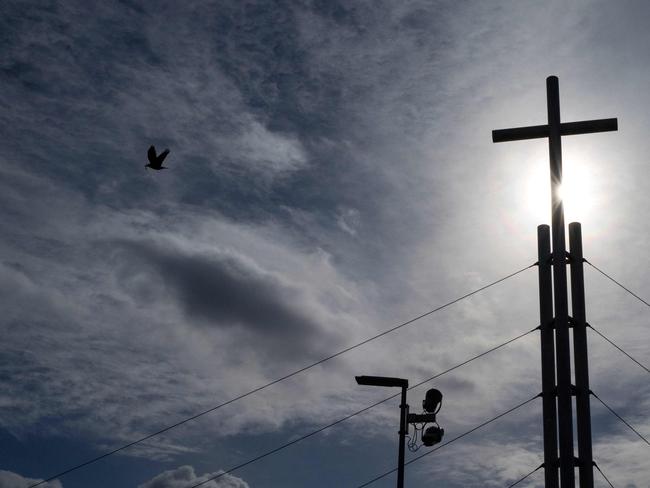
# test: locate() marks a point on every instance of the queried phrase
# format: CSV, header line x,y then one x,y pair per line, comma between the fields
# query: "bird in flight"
x,y
155,162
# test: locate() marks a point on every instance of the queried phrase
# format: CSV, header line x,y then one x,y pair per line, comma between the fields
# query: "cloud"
x,y
184,476
623,459
349,219
124,310
332,175
14,480
259,145
227,290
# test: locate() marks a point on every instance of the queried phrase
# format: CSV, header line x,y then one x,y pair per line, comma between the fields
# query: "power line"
x,y
522,479
271,383
619,284
325,427
618,347
621,418
452,440
603,474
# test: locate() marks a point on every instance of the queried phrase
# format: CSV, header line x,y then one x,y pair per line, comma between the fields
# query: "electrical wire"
x,y
522,479
620,418
354,414
618,347
452,440
603,474
619,284
473,358
278,380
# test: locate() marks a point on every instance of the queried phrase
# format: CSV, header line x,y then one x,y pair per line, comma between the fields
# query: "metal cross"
x,y
554,130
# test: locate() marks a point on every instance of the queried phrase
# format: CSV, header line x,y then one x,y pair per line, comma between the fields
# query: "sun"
x,y
577,190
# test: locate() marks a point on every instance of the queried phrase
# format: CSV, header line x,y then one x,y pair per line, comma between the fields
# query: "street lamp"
x,y
431,406
395,383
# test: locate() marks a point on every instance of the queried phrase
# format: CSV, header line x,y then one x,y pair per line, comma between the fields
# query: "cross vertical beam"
x,y
562,343
554,130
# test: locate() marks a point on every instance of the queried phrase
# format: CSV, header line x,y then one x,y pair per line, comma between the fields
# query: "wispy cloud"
x,y
185,476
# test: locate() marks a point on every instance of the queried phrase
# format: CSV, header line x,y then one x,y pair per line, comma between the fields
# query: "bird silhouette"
x,y
155,162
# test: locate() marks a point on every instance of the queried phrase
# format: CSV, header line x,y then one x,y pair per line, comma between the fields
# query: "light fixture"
x,y
433,435
432,401
382,381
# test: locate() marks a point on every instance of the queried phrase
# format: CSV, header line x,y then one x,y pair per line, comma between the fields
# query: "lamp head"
x,y
432,401
433,435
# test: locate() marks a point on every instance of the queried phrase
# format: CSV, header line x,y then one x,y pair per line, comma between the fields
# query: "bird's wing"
x,y
162,156
151,155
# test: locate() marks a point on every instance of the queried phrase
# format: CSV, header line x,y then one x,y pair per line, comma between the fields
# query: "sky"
x,y
331,174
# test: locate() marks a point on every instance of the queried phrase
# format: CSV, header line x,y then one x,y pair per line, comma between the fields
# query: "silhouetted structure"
x,y
556,294
155,162
431,405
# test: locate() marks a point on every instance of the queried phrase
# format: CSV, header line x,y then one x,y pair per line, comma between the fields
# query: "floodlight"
x,y
433,435
432,401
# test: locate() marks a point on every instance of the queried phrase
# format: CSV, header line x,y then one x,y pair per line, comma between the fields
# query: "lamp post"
x,y
431,406
394,383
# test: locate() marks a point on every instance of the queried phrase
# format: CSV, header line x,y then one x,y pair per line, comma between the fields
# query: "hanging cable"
x,y
325,427
620,418
522,479
603,474
449,442
619,284
271,383
618,347
412,442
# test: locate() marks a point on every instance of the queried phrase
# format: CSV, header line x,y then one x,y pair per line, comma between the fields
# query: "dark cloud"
x,y
220,290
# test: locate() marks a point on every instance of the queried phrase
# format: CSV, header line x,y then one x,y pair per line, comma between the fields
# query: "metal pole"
x,y
549,412
402,439
583,413
563,347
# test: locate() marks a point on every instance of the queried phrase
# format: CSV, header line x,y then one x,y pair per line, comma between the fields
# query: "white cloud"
x,y
184,476
623,459
274,152
9,479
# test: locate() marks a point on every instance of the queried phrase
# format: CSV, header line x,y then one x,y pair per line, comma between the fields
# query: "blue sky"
x,y
331,175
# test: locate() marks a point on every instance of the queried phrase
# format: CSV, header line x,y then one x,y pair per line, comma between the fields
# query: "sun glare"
x,y
576,191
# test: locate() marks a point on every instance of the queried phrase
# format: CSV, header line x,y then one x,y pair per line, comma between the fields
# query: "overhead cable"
x,y
522,479
619,284
354,414
452,440
620,418
603,474
618,347
278,380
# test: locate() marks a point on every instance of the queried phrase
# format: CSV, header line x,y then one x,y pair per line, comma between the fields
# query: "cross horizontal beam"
x,y
566,129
